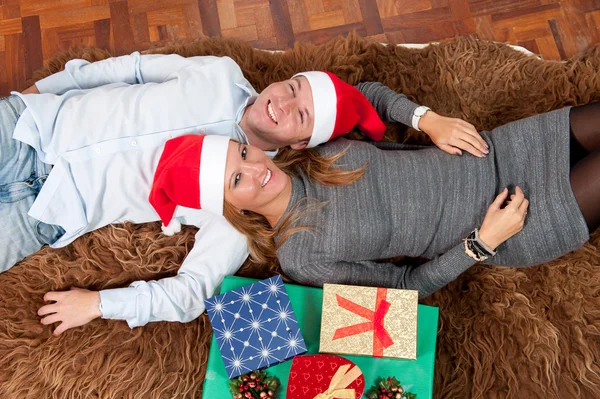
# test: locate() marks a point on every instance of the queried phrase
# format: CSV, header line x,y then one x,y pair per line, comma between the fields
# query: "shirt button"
x,y
98,150
202,131
133,143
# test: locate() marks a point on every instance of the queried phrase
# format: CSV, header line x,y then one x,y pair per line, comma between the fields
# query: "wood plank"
x,y
139,6
245,16
2,48
326,20
264,24
38,7
387,8
351,9
332,5
548,49
484,27
51,43
164,16
323,35
314,7
298,16
371,19
412,6
192,21
121,27
557,38
460,9
32,37
531,32
428,33
593,22
551,10
500,6
56,19
140,29
102,33
242,32
10,10
227,17
282,23
11,26
418,19
209,14
14,51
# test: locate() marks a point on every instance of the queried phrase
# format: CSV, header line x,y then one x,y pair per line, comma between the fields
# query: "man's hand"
x,y
31,90
453,135
72,308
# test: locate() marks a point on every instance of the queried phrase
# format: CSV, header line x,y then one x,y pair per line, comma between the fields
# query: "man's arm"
x,y
219,251
130,69
451,135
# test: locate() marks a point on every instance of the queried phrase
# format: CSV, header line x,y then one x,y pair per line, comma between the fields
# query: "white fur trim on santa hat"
x,y
174,227
325,106
212,173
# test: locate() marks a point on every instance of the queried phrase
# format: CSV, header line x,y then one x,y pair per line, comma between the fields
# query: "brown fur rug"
x,y
504,333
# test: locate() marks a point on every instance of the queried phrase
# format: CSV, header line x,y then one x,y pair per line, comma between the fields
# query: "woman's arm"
x,y
219,250
426,278
451,135
505,218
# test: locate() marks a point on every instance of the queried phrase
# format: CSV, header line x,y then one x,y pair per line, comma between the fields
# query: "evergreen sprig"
x,y
389,388
254,385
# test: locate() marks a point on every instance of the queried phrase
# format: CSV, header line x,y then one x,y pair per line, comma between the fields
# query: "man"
x,y
94,117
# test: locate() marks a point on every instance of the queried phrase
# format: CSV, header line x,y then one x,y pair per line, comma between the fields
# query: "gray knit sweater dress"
x,y
424,202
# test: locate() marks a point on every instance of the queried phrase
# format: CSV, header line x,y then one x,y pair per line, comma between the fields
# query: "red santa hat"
x,y
190,173
338,107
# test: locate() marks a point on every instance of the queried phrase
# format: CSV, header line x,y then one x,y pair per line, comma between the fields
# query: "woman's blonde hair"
x,y
261,237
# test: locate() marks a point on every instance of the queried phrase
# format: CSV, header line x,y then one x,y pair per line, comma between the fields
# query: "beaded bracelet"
x,y
476,248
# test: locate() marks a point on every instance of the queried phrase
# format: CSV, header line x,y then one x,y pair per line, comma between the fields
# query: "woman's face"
x,y
252,181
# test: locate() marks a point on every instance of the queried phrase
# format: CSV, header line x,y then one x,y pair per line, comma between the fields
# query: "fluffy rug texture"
x,y
504,333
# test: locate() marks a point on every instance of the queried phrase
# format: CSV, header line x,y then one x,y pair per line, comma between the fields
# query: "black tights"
x,y
585,161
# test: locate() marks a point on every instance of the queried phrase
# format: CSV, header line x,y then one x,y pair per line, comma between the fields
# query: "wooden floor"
x,y
32,30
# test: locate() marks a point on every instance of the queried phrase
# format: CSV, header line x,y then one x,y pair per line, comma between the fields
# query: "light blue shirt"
x,y
103,126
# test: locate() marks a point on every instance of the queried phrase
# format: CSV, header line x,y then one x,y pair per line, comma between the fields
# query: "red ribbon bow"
x,y
381,338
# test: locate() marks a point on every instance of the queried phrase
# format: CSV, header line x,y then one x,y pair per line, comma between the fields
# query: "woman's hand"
x,y
31,90
453,135
500,223
72,308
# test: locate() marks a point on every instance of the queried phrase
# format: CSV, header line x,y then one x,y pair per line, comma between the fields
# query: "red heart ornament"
x,y
346,372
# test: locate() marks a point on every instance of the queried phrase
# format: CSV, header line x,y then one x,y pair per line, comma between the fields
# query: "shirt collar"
x,y
249,101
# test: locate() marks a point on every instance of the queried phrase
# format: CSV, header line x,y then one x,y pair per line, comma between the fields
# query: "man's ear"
x,y
299,146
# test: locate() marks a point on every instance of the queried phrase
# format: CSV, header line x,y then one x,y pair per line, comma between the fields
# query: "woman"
x,y
380,204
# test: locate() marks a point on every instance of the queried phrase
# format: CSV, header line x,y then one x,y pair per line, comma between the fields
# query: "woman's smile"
x,y
267,178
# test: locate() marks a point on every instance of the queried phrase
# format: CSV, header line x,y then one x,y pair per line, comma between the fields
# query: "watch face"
x,y
420,112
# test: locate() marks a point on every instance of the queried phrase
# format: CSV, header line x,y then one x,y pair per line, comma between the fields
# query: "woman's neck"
x,y
274,211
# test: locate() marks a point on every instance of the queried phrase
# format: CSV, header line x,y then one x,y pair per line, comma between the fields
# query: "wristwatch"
x,y
419,112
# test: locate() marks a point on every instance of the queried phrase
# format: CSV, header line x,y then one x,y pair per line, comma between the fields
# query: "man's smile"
x,y
271,111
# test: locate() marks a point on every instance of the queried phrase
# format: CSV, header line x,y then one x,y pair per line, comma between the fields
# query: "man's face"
x,y
282,115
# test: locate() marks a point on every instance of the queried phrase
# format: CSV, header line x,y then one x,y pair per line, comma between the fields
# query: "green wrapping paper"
x,y
416,376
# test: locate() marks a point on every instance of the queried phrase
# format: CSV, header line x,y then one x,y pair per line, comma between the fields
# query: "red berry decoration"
x,y
389,388
254,385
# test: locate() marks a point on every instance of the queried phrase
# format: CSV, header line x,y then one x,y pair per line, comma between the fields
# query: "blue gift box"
x,y
255,326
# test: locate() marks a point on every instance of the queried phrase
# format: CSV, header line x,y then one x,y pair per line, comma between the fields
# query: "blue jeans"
x,y
22,175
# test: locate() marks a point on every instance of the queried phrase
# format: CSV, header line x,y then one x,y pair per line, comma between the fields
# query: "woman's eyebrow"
x,y
232,174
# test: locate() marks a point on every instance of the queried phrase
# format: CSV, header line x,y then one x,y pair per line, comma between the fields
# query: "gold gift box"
x,y
369,321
